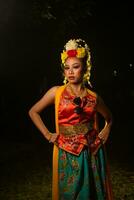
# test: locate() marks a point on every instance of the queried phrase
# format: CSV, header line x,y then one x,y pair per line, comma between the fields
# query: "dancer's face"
x,y
73,70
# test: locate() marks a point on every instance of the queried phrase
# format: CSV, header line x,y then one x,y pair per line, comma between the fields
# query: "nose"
x,y
71,71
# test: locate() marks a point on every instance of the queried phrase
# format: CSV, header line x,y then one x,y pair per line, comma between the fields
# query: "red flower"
x,y
71,53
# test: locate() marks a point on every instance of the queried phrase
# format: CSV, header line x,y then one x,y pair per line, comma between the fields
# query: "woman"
x,y
79,161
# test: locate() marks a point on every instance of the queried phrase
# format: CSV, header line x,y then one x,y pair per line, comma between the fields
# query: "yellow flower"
x,y
64,56
81,52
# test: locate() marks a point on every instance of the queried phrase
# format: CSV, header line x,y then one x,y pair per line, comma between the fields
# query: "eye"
x,y
76,66
66,68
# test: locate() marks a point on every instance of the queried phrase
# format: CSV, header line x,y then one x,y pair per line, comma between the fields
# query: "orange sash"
x,y
55,194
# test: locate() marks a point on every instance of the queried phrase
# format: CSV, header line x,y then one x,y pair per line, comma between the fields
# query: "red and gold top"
x,y
76,129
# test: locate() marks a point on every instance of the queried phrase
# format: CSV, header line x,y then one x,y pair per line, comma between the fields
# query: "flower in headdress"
x,y
72,53
64,56
71,44
81,52
74,49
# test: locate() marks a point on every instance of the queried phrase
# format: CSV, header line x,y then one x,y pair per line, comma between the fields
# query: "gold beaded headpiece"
x,y
77,48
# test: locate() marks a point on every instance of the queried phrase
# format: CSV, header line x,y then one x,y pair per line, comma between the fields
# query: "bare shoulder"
x,y
93,93
99,99
53,90
47,99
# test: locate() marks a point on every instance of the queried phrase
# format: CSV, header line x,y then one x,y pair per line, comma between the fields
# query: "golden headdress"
x,y
78,48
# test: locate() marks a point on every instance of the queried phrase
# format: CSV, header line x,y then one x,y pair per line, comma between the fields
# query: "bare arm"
x,y
105,112
38,107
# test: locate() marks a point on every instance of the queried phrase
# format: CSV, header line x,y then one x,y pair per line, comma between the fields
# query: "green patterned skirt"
x,y
82,177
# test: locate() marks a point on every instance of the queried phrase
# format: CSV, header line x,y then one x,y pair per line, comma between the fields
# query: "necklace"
x,y
80,94
77,101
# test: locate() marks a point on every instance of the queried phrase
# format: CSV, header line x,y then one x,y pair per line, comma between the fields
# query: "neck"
x,y
77,89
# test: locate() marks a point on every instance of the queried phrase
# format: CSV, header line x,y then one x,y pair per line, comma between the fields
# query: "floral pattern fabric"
x,y
81,177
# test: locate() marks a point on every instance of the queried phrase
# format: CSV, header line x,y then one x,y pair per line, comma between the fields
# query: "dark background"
x,y
32,35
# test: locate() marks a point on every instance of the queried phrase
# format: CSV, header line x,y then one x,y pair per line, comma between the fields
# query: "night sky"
x,y
30,64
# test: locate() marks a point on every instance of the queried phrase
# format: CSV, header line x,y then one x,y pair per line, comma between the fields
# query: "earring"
x,y
65,81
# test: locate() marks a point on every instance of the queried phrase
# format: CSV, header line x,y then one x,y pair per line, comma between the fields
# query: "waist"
x,y
80,128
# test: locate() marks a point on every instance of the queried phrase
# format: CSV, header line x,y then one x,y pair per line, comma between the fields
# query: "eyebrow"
x,y
73,64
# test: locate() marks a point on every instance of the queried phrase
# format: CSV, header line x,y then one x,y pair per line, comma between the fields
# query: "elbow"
x,y
31,113
110,120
